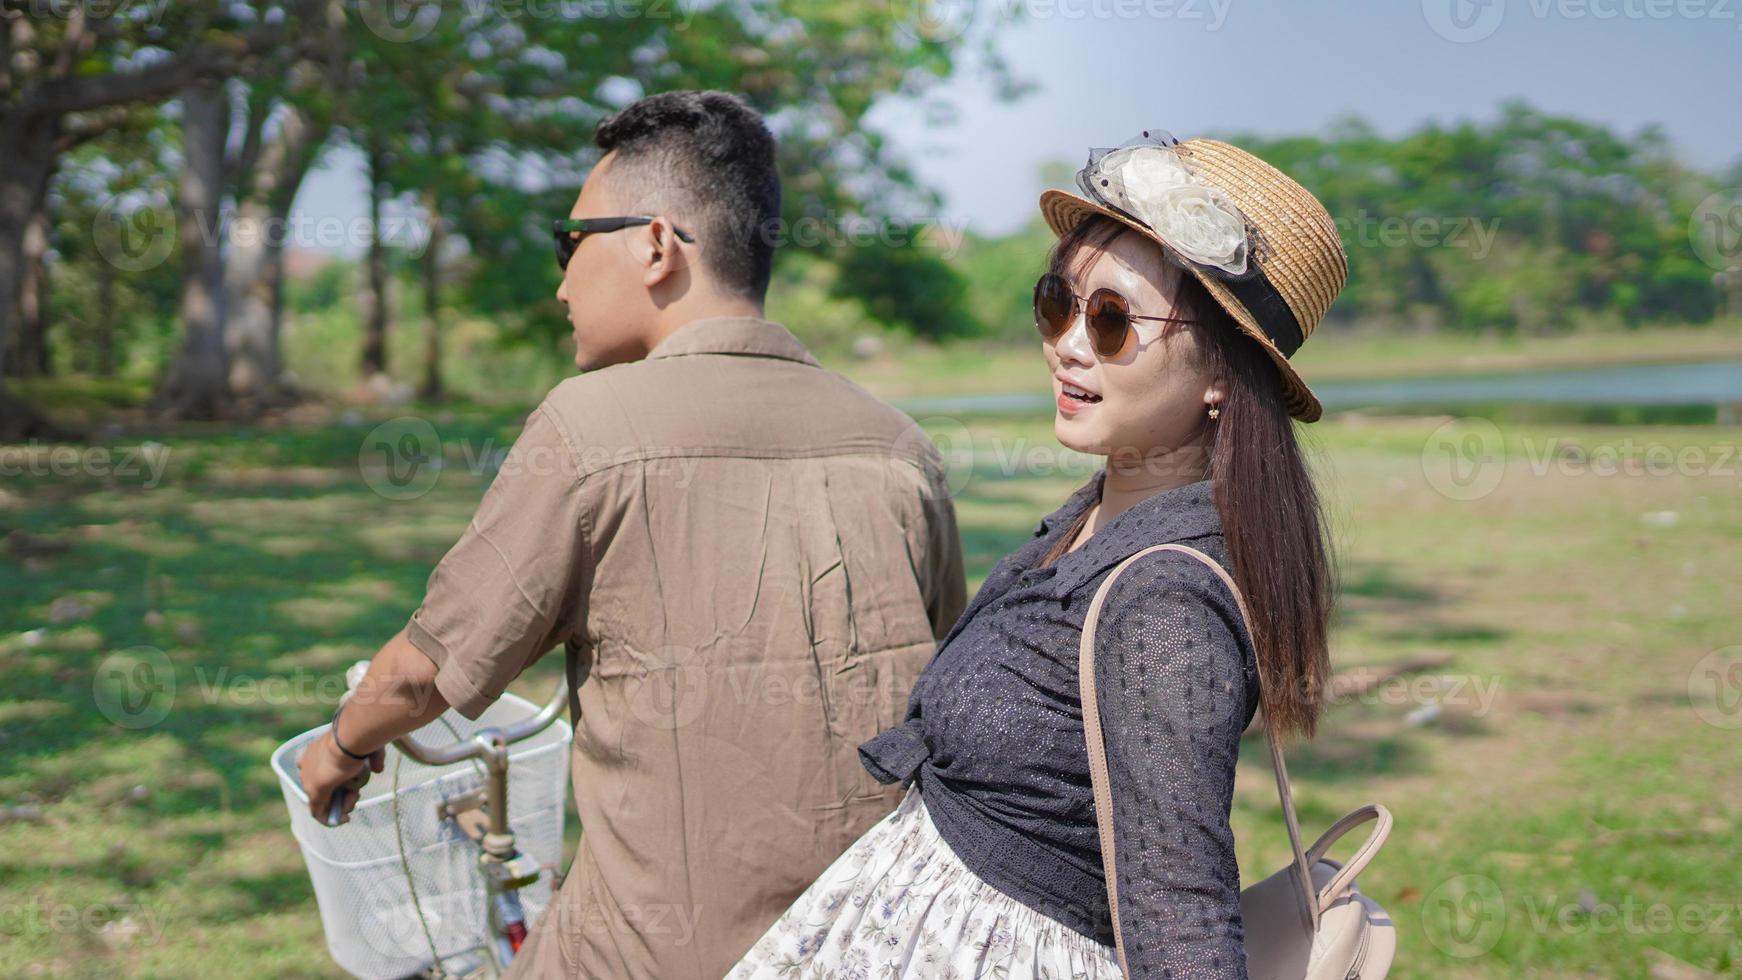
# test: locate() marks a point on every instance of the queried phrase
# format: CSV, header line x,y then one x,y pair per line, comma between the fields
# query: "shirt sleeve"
x,y
514,585
1172,678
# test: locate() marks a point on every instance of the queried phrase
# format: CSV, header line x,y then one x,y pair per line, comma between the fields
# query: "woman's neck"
x,y
1129,481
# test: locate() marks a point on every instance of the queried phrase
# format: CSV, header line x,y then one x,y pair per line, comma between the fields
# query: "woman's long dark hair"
x,y
1272,519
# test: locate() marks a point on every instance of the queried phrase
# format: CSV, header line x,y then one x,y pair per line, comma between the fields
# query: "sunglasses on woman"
x,y
1109,314
570,231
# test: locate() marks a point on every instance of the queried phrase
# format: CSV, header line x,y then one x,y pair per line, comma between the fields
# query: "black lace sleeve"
x,y
1173,676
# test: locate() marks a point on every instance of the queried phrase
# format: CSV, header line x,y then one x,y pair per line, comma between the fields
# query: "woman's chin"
x,y
1075,435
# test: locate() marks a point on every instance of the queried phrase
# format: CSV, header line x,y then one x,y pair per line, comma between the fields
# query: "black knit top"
x,y
994,734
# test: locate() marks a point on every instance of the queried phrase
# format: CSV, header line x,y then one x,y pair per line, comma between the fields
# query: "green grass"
x,y
1570,775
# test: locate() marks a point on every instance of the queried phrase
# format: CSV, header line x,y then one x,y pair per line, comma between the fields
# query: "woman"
x,y
1180,284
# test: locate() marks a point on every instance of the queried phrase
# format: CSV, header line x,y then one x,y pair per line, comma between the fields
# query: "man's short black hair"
x,y
707,158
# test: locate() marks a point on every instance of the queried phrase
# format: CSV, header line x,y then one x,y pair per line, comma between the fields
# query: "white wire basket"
x,y
360,882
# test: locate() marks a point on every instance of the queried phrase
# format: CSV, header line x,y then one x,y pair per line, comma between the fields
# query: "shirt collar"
x,y
747,335
1175,515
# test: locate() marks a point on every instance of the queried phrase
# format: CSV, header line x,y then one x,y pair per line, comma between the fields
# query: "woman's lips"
x,y
1069,404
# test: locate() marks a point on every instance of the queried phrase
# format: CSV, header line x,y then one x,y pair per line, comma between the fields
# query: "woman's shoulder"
x,y
1169,609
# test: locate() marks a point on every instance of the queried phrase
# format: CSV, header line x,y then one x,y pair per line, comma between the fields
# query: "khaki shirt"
x,y
749,560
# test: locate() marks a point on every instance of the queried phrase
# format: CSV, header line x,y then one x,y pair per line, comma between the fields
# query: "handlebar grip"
x,y
336,806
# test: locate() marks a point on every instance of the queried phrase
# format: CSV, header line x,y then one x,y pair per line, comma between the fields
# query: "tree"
x,y
71,75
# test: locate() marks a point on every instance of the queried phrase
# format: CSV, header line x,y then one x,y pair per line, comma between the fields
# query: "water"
x,y
1701,391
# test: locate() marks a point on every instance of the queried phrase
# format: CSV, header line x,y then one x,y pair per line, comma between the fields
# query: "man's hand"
x,y
324,770
396,696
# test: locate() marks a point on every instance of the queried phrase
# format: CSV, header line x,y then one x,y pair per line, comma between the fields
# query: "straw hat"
x,y
1295,265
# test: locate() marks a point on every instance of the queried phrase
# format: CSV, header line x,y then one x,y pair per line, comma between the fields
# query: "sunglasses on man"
x,y
570,231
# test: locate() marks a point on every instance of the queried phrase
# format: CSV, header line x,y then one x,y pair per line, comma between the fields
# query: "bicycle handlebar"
x,y
486,738
491,743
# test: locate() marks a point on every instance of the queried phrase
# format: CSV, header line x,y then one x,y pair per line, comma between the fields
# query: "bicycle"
x,y
481,815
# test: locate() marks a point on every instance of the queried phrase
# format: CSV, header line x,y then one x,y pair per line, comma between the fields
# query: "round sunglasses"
x,y
1109,314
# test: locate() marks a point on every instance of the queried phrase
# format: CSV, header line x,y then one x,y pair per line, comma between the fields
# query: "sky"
x,y
1102,70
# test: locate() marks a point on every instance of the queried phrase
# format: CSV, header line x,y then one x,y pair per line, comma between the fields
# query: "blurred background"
x,y
249,249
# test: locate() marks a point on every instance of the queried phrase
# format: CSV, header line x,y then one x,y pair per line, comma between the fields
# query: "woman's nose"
x,y
1074,343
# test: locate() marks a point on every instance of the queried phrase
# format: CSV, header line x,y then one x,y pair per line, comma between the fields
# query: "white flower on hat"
x,y
1152,184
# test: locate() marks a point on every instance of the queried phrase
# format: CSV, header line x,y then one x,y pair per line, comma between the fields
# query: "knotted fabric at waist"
x,y
895,754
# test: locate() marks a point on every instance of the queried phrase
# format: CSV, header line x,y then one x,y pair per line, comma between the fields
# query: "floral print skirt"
x,y
900,903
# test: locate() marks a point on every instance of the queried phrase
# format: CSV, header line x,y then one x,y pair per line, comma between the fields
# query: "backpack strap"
x,y
1098,753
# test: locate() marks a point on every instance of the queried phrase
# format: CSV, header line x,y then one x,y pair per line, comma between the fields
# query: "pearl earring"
x,y
1215,412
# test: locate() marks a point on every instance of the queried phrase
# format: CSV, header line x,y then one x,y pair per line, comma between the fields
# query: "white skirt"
x,y
900,903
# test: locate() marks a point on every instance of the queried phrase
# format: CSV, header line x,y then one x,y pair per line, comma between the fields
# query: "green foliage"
x,y
909,284
1529,222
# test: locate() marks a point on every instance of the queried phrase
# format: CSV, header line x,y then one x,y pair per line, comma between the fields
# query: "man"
x,y
748,558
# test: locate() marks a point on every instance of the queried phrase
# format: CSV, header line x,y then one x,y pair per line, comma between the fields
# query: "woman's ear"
x,y
1214,394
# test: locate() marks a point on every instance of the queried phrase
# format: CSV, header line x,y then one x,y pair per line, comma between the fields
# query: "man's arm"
x,y
511,588
396,697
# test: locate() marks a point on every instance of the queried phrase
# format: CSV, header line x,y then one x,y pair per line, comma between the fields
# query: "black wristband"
x,y
334,728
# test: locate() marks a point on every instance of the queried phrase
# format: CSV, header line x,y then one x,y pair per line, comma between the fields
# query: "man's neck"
x,y
676,315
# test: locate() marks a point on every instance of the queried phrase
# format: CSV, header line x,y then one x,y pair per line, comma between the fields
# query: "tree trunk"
x,y
27,156
375,321
105,339
30,354
255,274
432,390
198,384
